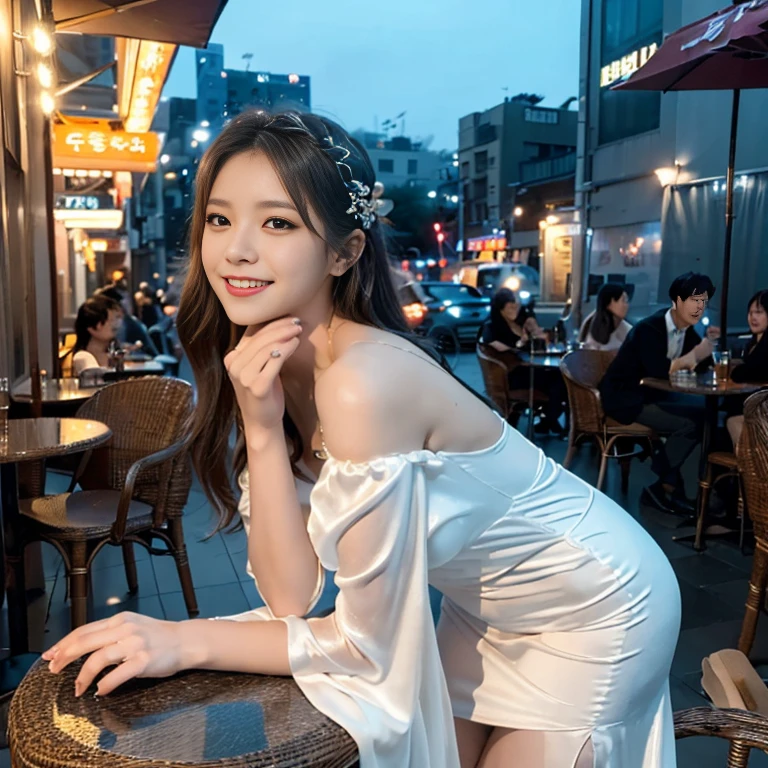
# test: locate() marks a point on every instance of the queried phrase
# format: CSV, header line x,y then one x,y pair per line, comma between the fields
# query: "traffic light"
x,y
438,227
441,237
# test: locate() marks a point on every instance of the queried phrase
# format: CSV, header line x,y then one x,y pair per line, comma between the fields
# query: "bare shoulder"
x,y
363,399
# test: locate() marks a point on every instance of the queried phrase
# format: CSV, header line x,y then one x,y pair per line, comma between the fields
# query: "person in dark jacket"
x,y
754,367
657,346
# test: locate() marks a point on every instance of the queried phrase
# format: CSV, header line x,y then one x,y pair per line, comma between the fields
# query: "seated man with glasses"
x,y
657,346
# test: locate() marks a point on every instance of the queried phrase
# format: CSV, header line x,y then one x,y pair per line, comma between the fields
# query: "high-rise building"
x,y
223,93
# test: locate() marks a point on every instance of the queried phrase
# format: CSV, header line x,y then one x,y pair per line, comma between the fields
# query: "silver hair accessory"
x,y
362,203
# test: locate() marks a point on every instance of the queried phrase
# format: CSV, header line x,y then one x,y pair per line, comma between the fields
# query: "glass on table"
x,y
722,360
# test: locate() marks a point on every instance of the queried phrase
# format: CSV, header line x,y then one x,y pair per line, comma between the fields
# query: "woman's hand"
x,y
140,646
254,367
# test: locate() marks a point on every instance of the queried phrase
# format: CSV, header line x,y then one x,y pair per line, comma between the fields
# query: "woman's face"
x,y
510,311
258,255
757,318
619,307
108,330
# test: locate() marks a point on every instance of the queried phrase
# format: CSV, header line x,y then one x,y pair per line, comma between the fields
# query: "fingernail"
x,y
297,321
78,688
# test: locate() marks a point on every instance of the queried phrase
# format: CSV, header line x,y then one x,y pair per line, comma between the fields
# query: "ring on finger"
x,y
275,353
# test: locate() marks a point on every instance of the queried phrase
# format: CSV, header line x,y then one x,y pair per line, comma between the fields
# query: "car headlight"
x,y
454,311
513,283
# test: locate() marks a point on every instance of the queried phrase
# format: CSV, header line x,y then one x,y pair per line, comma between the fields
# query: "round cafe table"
x,y
711,390
549,358
196,718
28,440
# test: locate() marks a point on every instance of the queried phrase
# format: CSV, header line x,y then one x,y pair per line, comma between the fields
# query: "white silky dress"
x,y
560,614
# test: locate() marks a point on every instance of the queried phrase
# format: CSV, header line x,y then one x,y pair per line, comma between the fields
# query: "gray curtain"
x,y
693,237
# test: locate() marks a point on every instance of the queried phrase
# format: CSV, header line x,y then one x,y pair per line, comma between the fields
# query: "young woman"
x,y
560,613
754,367
510,328
606,327
97,324
512,325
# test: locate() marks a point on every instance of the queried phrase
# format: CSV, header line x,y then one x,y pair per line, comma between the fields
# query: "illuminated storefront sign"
x,y
97,147
487,244
626,65
89,219
142,69
72,202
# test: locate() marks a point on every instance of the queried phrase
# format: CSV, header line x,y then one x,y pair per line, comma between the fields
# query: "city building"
x,y
512,144
400,161
650,171
223,93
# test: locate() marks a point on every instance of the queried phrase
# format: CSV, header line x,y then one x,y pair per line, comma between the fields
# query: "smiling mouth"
x,y
246,283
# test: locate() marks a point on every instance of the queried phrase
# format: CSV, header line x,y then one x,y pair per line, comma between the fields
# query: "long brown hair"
x,y
364,294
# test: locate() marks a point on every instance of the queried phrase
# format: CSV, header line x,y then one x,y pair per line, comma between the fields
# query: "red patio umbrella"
x,y
725,51
184,22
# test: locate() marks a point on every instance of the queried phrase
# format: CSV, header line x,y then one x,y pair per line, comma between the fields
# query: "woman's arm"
x,y
279,550
500,346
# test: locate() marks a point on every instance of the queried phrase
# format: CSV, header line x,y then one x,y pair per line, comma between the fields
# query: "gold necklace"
x,y
321,454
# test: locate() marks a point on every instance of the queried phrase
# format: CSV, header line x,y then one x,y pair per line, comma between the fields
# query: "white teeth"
x,y
247,283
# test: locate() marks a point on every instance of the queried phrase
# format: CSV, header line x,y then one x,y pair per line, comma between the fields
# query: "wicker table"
x,y
28,440
197,718
711,390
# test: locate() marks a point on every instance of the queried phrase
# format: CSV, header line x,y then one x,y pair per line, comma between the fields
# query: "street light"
x,y
431,194
518,211
165,159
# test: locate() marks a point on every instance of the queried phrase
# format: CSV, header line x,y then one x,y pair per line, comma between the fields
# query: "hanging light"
x,y
41,41
47,104
44,75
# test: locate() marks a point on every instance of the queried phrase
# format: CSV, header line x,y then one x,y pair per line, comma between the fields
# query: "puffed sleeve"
x,y
373,665
244,508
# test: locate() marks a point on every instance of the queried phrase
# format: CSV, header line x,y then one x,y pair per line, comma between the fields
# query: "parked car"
x,y
412,299
455,307
489,276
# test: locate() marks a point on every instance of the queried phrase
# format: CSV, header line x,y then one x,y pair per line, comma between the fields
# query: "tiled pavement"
x,y
713,584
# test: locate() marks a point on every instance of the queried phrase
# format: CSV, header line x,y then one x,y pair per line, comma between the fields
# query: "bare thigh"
x,y
525,749
471,738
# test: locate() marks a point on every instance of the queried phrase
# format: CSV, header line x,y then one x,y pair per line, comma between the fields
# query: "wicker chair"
x,y
753,466
725,460
495,367
133,490
582,371
741,701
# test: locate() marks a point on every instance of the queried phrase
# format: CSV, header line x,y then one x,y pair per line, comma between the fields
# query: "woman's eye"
x,y
216,220
280,224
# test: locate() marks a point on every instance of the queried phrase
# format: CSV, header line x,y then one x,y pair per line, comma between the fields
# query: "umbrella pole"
x,y
729,180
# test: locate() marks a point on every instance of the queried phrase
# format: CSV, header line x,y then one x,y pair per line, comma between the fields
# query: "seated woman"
x,y
606,328
97,324
754,367
512,325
